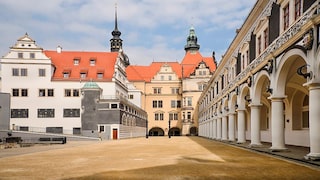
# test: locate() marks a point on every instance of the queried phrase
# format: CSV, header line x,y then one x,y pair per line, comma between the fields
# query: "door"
x,y
114,133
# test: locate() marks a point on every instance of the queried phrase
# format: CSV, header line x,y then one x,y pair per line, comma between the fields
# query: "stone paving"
x,y
152,158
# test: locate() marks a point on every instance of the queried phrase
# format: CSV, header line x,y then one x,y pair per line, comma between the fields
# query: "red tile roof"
x,y
64,62
189,63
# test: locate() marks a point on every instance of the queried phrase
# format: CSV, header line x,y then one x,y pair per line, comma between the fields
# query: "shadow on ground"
x,y
236,164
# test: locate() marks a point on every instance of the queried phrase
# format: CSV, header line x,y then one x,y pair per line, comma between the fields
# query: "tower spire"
x,y
116,41
192,39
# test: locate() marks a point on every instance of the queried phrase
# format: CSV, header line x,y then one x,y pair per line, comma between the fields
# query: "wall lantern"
x,y
268,67
236,106
226,108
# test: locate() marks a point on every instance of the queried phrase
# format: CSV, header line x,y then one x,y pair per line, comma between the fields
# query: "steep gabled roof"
x,y
64,62
192,60
146,73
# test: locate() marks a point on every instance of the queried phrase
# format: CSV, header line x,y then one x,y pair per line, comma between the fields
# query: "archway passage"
x,y
156,131
193,131
174,131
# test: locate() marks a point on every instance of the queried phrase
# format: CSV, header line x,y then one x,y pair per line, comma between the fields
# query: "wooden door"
x,y
115,134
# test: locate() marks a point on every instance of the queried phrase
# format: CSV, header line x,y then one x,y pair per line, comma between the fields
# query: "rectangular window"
x,y
266,38
50,92
76,93
66,74
67,92
154,104
71,112
92,62
101,129
297,7
189,101
131,96
175,104
156,90
32,55
286,17
19,113
99,75
83,75
42,92
42,72
189,115
45,113
76,61
114,106
173,116
24,92
15,92
15,72
259,45
160,104
174,90
24,72
20,55
305,119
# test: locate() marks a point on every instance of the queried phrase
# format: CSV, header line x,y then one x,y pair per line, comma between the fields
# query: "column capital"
x,y
277,98
255,105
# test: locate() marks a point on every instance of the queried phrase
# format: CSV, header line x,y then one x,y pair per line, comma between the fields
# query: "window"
x,y
286,17
15,72
19,113
32,55
131,96
188,115
157,104
297,9
42,92
266,38
71,112
156,90
50,92
175,104
99,75
101,129
66,74
114,106
189,101
20,55
45,113
170,78
76,61
15,92
259,44
174,90
24,72
92,62
173,116
24,92
162,78
67,92
42,72
83,75
158,116
76,92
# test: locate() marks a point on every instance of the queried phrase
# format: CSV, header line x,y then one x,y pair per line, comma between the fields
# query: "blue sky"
x,y
152,30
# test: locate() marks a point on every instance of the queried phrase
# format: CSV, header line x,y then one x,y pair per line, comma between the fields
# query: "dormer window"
x,y
66,74
99,75
92,62
76,61
83,75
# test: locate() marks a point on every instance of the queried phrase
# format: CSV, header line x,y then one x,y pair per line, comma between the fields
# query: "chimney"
x,y
59,49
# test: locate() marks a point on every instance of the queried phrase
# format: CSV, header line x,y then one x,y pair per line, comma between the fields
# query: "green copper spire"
x,y
192,39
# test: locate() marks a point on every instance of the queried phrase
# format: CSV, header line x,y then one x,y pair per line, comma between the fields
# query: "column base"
x,y
241,142
255,145
278,149
312,156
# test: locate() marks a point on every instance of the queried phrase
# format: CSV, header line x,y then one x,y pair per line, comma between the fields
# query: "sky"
x,y
152,30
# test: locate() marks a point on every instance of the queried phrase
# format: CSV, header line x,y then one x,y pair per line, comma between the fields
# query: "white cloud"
x,y
151,29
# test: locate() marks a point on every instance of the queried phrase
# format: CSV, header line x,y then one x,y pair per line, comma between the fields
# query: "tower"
x,y
192,39
116,41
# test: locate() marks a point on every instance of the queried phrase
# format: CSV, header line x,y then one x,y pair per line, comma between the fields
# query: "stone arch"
x,y
175,131
124,119
156,131
193,131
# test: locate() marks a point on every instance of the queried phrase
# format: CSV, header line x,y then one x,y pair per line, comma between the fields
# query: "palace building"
x,y
266,88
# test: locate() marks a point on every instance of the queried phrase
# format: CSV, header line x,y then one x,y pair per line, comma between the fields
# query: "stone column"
x,y
214,128
241,126
314,121
255,125
219,128
210,129
224,128
277,124
231,126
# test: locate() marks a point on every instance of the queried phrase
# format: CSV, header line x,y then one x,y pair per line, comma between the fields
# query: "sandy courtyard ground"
x,y
152,158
